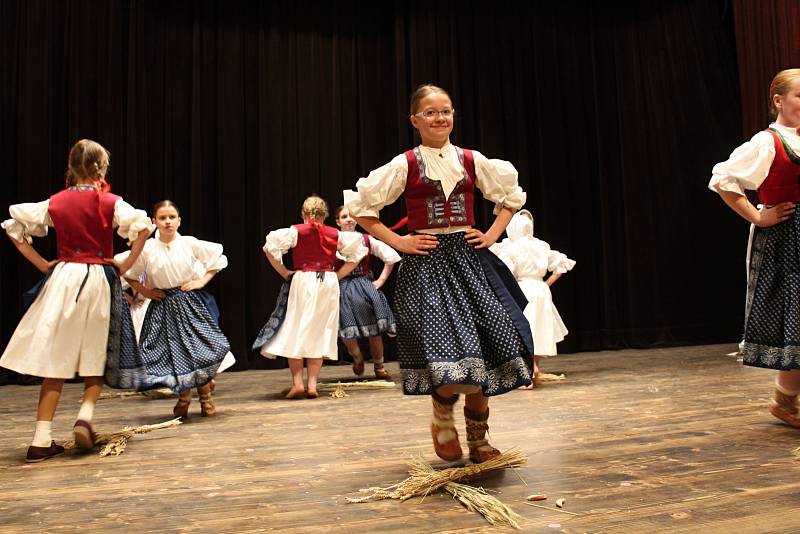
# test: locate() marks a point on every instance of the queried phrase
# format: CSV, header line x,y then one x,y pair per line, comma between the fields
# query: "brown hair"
x,y
314,207
338,211
165,204
87,159
780,85
421,92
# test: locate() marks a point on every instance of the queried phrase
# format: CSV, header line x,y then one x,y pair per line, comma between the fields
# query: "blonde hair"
x,y
421,92
780,85
314,207
87,159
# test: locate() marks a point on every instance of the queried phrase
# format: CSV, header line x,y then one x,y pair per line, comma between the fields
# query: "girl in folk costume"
x,y
79,317
459,329
770,163
181,344
363,309
530,259
305,323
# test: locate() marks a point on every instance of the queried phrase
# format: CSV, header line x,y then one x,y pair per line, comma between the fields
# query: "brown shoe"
x,y
39,454
450,450
181,408
358,367
84,435
784,407
207,406
477,426
382,374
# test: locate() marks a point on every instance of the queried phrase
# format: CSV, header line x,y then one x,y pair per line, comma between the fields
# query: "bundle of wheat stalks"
x,y
115,443
424,479
161,393
360,384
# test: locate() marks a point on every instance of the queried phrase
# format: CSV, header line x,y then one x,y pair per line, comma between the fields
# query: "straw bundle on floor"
x,y
360,384
424,480
115,443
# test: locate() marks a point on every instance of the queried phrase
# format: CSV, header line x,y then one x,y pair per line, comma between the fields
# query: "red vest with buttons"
x,y
782,184
80,235
364,267
425,201
309,254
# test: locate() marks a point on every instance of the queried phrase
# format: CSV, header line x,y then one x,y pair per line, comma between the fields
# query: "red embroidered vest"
x,y
364,267
425,201
80,235
309,253
782,184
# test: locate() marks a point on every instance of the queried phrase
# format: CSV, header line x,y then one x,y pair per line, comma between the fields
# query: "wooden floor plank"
x,y
665,440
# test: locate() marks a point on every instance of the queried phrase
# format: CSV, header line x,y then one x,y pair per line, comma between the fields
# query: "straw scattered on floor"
x,y
161,393
339,393
115,443
477,500
360,384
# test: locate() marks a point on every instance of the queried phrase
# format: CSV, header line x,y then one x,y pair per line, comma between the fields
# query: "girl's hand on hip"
x,y
192,285
416,244
774,215
478,239
155,294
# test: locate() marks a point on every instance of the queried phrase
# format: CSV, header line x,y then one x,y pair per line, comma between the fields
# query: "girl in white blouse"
x,y
181,344
530,259
305,323
75,325
770,164
458,328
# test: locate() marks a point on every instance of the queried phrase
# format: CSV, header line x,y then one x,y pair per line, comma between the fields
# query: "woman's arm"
x,y
32,255
410,243
481,240
764,218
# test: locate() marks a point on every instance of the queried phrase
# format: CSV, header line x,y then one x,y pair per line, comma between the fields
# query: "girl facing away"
x,y
460,328
79,318
305,324
530,259
181,344
363,309
770,164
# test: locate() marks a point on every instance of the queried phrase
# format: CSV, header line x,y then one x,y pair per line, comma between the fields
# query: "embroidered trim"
x,y
469,371
436,213
789,152
382,326
782,358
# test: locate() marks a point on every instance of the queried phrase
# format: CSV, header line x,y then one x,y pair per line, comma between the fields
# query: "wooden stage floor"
x,y
667,440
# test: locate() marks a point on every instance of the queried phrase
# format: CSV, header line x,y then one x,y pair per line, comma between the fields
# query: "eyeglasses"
x,y
430,114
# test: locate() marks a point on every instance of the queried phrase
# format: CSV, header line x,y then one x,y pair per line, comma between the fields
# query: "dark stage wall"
x,y
613,116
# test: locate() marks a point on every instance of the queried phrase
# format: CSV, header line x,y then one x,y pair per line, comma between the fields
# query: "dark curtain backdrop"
x,y
613,115
767,41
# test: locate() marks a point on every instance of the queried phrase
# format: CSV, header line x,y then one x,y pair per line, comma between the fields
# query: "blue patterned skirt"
x,y
363,310
460,321
181,346
772,309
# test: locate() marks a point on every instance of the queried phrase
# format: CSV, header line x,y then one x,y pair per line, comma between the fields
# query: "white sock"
x,y
44,434
87,411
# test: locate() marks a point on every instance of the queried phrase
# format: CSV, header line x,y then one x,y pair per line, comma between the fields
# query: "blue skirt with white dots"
x,y
459,321
772,309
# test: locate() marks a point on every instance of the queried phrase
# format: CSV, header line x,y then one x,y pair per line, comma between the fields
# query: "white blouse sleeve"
x,y
558,262
130,221
503,251
351,246
279,242
747,167
383,252
382,187
28,220
208,254
139,267
498,180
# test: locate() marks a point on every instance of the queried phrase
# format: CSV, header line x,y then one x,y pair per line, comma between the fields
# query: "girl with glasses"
x,y
460,327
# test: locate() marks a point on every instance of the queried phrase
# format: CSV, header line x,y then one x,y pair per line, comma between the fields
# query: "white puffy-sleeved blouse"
x,y
168,265
279,242
749,164
496,179
382,251
531,258
33,219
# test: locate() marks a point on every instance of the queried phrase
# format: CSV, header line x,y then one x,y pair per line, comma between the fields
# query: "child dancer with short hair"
x,y
307,327
363,309
530,259
75,321
460,328
770,164
180,342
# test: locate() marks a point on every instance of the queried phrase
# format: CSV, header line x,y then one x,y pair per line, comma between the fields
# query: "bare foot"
x,y
295,392
526,388
312,393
